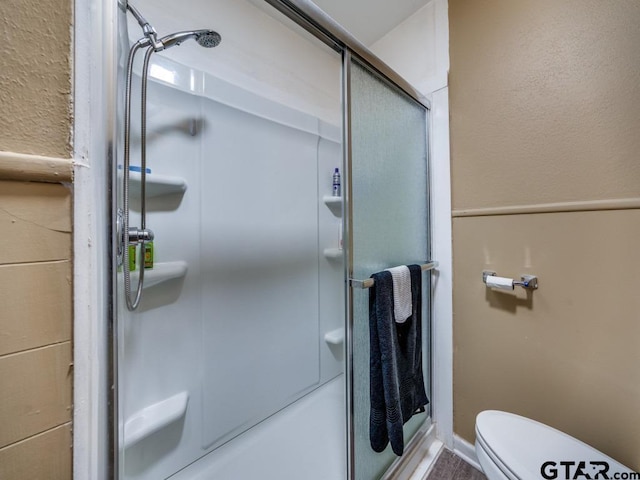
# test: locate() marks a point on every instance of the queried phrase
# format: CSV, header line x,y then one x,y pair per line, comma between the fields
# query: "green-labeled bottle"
x,y
132,258
148,255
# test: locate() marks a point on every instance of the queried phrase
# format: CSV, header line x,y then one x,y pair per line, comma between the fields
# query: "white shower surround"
x,y
241,336
94,32
261,51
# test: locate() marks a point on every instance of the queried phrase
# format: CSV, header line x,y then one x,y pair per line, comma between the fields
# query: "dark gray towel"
x,y
396,382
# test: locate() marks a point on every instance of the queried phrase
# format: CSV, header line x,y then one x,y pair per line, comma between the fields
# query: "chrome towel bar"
x,y
368,283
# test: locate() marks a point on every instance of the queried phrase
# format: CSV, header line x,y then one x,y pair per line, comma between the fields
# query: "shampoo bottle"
x,y
337,191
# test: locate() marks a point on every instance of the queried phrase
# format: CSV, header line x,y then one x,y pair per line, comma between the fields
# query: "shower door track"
x,y
306,14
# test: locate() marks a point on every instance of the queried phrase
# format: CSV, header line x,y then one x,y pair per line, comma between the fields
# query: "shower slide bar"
x,y
368,283
133,236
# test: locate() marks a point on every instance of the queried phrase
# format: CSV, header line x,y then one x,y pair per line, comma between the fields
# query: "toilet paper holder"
x,y
529,282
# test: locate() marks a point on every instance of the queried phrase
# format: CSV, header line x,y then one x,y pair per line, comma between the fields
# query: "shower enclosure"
x,y
247,355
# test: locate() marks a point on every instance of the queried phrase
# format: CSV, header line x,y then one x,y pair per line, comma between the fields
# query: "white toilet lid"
x,y
523,446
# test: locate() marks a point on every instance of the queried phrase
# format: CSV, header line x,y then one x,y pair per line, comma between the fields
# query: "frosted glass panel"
x,y
389,225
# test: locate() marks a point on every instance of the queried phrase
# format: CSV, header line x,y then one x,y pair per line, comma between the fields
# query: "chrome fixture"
x,y
148,31
205,38
490,278
132,236
369,282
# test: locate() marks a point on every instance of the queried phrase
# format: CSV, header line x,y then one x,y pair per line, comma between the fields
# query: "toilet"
x,y
511,447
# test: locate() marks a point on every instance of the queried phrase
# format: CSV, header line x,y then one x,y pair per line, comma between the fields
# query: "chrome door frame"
x,y
306,14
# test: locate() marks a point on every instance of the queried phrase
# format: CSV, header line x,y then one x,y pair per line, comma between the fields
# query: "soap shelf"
x,y
334,337
157,185
333,253
161,272
334,204
154,417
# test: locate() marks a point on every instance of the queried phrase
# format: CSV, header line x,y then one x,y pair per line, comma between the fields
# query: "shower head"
x,y
209,39
205,38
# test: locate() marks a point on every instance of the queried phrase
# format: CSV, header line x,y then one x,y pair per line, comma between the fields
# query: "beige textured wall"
x,y
36,359
544,110
568,355
545,98
36,364
35,77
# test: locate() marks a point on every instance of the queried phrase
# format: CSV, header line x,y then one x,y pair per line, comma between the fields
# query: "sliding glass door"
x,y
388,225
231,366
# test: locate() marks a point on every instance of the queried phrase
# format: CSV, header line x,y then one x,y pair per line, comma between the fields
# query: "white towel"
x,y
402,305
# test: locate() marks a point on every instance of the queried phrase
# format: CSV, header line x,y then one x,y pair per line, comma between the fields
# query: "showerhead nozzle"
x,y
205,38
208,39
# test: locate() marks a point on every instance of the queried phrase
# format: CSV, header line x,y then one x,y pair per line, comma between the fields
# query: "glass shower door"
x,y
389,226
232,365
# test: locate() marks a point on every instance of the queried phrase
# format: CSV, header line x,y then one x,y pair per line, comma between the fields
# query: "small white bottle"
x,y
337,190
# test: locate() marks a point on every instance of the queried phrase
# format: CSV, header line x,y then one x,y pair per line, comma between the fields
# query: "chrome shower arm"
x,y
144,24
147,29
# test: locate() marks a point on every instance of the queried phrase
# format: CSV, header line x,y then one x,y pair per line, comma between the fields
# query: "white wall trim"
x,y
442,322
92,55
559,207
35,168
466,451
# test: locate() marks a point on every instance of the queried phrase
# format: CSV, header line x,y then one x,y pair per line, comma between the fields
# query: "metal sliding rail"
x,y
369,282
307,14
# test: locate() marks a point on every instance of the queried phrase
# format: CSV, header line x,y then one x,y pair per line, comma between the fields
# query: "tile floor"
x,y
448,466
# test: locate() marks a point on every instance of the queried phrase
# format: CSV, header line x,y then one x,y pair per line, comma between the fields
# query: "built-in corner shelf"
x,y
161,272
154,417
335,337
157,185
334,204
333,253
